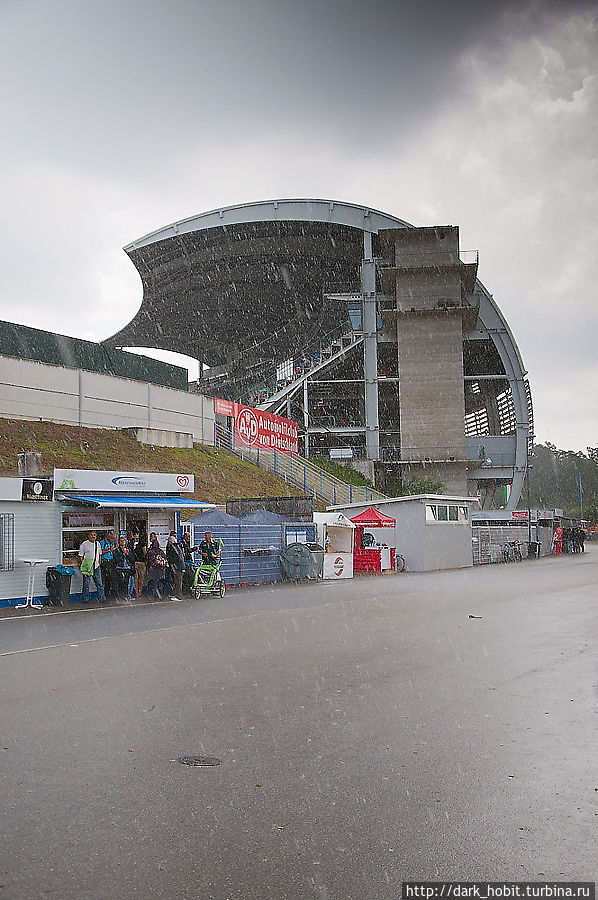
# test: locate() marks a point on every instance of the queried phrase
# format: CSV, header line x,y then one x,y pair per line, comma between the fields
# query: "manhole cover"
x,y
200,761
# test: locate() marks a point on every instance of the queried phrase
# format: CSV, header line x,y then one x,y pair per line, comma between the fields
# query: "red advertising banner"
x,y
224,407
255,428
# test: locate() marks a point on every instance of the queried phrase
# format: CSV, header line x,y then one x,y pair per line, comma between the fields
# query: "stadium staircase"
x,y
296,470
326,353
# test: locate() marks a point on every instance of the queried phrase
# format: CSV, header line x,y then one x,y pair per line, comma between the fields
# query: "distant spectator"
x,y
188,550
190,564
210,550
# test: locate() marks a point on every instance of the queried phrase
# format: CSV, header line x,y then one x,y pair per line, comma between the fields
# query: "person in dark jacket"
x,y
190,564
124,567
176,563
156,567
187,549
139,558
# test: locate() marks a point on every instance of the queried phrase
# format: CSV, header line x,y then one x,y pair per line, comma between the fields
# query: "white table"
x,y
32,563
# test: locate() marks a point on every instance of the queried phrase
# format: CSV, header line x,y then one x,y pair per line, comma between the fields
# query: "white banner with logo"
x,y
121,482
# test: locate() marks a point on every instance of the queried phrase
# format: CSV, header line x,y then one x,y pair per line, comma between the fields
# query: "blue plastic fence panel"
x,y
260,548
251,553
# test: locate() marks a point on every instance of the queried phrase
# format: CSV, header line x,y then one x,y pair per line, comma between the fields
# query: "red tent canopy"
x,y
374,519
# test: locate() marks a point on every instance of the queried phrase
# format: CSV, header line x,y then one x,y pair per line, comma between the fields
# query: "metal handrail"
x,y
469,257
430,453
447,454
298,471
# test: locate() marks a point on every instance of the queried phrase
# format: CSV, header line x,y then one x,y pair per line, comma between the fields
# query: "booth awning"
x,y
333,520
139,501
374,519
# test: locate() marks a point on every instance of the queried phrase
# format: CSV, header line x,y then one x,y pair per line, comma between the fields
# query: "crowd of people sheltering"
x,y
122,569
568,540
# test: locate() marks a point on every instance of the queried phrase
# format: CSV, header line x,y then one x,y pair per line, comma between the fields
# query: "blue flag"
x,y
579,491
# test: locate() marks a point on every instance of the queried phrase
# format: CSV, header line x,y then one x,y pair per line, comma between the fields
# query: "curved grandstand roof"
x,y
336,211
251,277
246,277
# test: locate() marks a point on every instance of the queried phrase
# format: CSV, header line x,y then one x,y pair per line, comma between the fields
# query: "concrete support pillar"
x,y
370,349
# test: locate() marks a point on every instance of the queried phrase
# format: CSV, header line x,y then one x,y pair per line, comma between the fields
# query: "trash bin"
x,y
533,549
302,561
317,560
58,582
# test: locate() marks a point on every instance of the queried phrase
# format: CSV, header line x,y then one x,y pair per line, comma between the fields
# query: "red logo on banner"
x,y
247,426
339,565
182,481
264,430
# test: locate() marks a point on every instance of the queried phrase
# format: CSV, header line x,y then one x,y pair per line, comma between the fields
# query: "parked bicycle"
x,y
512,551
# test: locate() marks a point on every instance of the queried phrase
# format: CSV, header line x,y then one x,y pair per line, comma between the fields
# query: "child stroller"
x,y
208,580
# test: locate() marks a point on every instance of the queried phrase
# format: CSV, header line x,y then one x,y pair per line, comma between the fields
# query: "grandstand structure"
x,y
375,335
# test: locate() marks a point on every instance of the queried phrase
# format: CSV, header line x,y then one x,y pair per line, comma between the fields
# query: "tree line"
x,y
554,481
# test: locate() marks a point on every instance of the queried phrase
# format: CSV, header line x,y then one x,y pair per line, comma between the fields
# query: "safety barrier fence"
x,y
489,542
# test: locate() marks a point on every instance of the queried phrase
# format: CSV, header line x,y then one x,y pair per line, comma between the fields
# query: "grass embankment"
x,y
218,476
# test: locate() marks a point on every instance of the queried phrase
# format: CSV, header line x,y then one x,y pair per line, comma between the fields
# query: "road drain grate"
x,y
200,761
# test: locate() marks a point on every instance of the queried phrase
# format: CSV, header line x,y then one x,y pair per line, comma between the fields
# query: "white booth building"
x,y
46,523
431,532
336,533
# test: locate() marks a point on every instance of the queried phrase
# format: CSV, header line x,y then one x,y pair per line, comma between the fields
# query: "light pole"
x,y
529,467
529,509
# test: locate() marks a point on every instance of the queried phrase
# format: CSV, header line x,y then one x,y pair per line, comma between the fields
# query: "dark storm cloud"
x,y
119,116
117,83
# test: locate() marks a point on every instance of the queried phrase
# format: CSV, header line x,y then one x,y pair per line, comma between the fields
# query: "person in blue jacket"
x,y
108,545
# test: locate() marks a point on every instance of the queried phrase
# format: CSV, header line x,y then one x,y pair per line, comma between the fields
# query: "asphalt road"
x,y
369,732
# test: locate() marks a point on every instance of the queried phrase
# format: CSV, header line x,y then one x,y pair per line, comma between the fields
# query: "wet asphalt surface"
x,y
369,732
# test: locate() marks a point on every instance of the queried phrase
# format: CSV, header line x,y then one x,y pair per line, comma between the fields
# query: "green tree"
x,y
554,480
397,487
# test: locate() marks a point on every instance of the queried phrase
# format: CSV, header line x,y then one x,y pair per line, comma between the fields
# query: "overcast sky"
x,y
120,116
